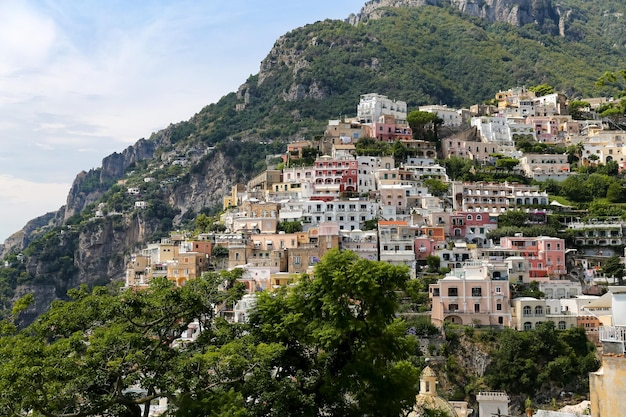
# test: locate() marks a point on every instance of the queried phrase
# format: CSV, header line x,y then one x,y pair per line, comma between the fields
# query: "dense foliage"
x,y
330,345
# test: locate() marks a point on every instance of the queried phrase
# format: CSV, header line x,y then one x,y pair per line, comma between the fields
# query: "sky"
x,y
80,80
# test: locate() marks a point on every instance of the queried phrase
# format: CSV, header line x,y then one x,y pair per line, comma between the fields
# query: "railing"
x,y
610,333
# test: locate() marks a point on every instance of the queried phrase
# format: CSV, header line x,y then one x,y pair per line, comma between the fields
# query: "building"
x,y
342,173
496,197
529,312
473,227
608,384
428,401
372,106
450,117
473,295
546,254
396,240
547,166
492,403
388,129
363,243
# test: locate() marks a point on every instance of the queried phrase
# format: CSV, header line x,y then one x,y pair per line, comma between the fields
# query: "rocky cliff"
x,y
543,13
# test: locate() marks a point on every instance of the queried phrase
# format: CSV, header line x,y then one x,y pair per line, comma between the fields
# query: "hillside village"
x,y
405,209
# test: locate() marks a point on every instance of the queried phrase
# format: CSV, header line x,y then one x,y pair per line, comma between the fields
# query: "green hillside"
x,y
419,55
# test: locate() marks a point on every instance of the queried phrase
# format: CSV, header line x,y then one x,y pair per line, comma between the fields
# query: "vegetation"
x,y
529,362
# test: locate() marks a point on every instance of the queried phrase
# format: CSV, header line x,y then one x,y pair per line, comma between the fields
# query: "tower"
x,y
495,403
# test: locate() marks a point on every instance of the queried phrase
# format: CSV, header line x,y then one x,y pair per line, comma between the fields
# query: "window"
x,y
435,292
527,311
528,325
453,292
477,292
562,325
498,290
500,320
498,307
476,308
539,311
453,307
296,260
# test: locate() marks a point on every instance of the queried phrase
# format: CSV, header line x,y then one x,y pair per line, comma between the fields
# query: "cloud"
x,y
26,38
24,200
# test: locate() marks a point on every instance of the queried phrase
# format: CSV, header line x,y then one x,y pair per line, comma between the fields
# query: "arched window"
x,y
539,311
528,325
527,311
562,325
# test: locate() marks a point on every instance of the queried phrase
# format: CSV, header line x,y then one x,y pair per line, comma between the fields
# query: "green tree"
x,y
436,187
433,262
614,267
418,120
616,193
507,163
512,218
577,109
542,90
345,352
87,356
290,227
614,79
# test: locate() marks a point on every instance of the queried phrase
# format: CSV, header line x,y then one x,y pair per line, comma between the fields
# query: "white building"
x,y
372,106
450,117
349,214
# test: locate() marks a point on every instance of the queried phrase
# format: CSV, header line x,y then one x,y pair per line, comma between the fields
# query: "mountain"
x,y
420,51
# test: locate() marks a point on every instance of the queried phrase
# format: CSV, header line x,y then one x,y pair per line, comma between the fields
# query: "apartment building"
x,y
396,240
472,295
546,254
495,197
371,106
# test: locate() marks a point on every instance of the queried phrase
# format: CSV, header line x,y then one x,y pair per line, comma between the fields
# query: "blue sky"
x,y
82,79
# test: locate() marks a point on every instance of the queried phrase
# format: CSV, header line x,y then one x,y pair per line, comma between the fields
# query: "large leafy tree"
x,y
344,351
109,353
419,120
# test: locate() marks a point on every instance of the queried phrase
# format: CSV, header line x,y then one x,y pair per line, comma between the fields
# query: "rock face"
x,y
515,12
96,252
19,240
210,181
89,186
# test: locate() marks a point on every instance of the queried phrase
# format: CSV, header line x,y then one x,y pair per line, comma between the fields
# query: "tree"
x,y
436,187
345,352
542,90
616,193
615,80
107,352
614,267
512,218
290,227
418,120
577,109
507,163
433,262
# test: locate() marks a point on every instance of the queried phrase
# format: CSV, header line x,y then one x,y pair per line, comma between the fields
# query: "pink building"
x,y
424,247
471,296
545,254
337,171
387,129
472,226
